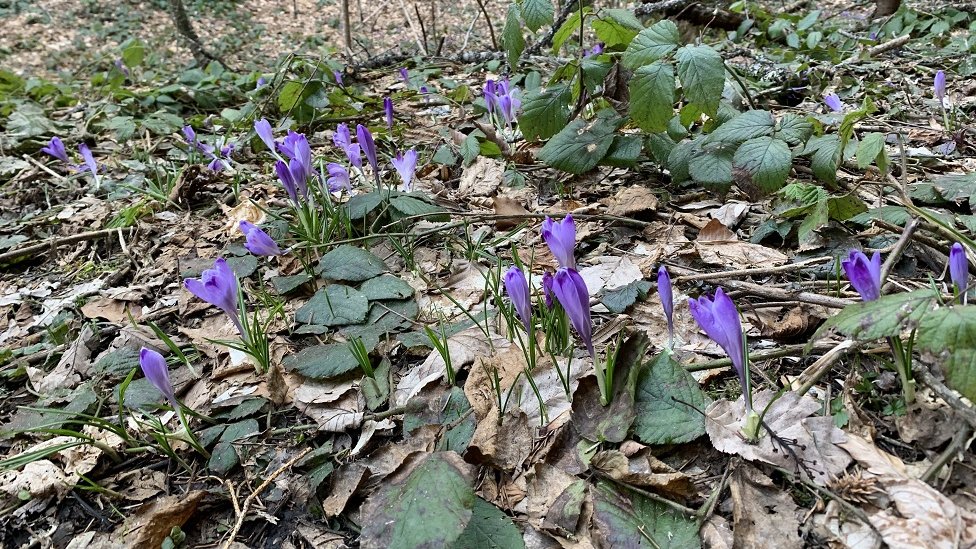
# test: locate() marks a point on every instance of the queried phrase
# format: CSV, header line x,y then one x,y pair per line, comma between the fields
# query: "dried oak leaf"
x,y
764,515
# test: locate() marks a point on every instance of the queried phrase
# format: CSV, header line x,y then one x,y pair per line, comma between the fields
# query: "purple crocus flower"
x,y
257,241
664,291
365,140
959,269
719,319
405,76
491,97
338,77
218,287
597,49
263,129
388,108
157,372
56,149
295,146
338,177
190,135
288,180
547,288
940,85
262,82
517,288
570,290
561,238
834,102
90,163
120,65
343,140
406,165
864,274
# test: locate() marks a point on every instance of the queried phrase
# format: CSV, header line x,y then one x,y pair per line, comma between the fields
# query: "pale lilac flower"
x,y
940,85
190,135
959,268
157,372
388,108
338,177
218,287
343,140
665,292
597,49
257,241
834,102
864,274
406,167
263,129
365,140
262,82
561,238
56,149
120,65
405,76
338,77
517,288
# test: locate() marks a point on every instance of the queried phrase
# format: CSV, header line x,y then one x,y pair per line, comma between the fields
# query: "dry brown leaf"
x,y
929,424
482,178
716,231
791,417
341,415
632,200
509,361
508,206
153,522
610,272
731,214
644,470
844,530
245,210
716,534
504,446
799,321
764,515
115,311
345,481
739,255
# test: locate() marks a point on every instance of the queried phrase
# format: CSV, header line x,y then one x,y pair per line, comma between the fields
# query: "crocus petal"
x,y
547,288
56,149
299,175
834,102
570,290
405,76
406,166
864,274
262,82
263,129
561,238
517,288
341,137
664,291
365,140
287,180
157,372
89,159
388,108
719,319
338,77
190,135
959,267
257,241
338,177
940,85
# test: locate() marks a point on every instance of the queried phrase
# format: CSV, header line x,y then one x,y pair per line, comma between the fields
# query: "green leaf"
x,y
886,316
616,27
845,206
334,305
631,521
950,334
323,361
808,20
869,149
489,528
359,206
428,507
768,160
956,187
620,299
702,76
470,149
652,96
679,160
623,152
794,129
667,398
745,126
896,215
404,206
826,157
545,112
817,217
568,28
712,167
386,287
134,53
29,120
537,13
660,146
651,44
452,410
352,264
580,146
512,39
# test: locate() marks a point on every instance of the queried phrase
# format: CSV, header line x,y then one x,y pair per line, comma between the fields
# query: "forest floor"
x,y
402,401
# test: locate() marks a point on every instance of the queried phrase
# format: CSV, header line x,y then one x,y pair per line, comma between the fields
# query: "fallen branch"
x,y
56,242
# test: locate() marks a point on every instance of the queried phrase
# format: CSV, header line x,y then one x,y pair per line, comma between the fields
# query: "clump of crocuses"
x,y
502,101
719,319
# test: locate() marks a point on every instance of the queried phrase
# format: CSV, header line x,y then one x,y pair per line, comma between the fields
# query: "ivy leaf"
x,y
652,96
537,13
651,44
580,146
768,160
512,39
950,333
743,127
702,76
545,112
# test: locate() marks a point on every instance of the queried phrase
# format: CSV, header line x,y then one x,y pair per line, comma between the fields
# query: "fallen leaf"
x,y
644,470
716,231
504,446
764,515
632,200
739,255
608,273
481,178
508,206
153,522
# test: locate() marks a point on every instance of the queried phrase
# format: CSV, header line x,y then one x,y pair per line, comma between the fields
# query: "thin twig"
x,y
58,241
739,273
895,255
815,371
491,28
784,351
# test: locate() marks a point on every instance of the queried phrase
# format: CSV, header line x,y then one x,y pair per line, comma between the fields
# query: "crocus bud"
x,y
719,319
287,180
218,287
338,177
56,149
257,241
517,288
547,288
664,291
262,82
190,135
263,129
570,290
832,101
561,238
864,274
959,268
90,163
388,108
365,140
405,76
338,77
154,368
940,85
406,165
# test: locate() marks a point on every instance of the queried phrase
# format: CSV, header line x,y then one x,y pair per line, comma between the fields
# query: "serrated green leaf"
x,y
349,263
679,160
623,152
845,206
745,126
768,160
545,112
537,13
660,146
950,334
470,148
794,129
581,145
956,187
568,28
652,96
702,75
359,206
826,157
429,507
334,305
712,168
652,43
817,217
667,398
896,215
626,519
512,39
886,316
489,528
869,149
616,26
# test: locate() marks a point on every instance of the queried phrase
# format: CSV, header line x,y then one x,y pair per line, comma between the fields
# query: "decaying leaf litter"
x,y
357,426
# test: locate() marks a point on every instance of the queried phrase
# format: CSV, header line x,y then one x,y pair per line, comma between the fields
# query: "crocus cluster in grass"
x,y
502,100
